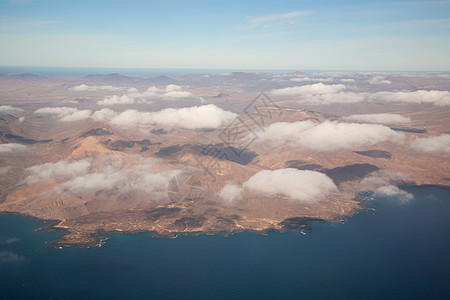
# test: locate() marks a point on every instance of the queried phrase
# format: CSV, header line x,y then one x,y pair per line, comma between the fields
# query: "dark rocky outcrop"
x,y
297,223
96,132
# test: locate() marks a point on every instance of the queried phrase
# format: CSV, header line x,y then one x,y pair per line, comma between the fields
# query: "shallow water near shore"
x,y
399,251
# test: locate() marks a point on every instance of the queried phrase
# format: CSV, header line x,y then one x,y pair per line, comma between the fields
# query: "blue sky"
x,y
308,34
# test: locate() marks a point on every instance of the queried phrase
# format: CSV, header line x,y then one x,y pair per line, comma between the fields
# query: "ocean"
x,y
398,251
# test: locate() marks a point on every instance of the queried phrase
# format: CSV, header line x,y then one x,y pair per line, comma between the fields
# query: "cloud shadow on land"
x,y
375,153
338,174
217,151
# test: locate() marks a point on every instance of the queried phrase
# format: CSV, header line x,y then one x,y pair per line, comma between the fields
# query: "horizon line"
x,y
222,69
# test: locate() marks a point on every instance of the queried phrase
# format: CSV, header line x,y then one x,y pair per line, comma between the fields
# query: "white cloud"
x,y
383,177
126,174
61,169
12,148
115,99
20,120
103,115
347,80
377,80
205,116
312,89
9,109
393,191
65,114
94,88
327,136
170,92
320,93
298,185
439,98
382,183
230,193
432,144
94,182
387,119
284,132
195,117
279,19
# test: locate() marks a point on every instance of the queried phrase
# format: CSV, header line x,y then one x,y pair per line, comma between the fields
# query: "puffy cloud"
x,y
205,116
282,132
439,98
393,191
65,114
347,80
387,119
103,115
320,93
140,176
312,89
94,182
20,120
12,148
298,185
327,136
230,193
383,177
61,169
432,144
173,88
71,114
126,179
9,109
128,175
377,80
195,117
170,92
115,99
94,88
382,183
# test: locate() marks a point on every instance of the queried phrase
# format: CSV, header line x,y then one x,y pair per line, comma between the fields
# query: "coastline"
x,y
96,238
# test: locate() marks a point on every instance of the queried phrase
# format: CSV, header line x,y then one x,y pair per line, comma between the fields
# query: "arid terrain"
x,y
216,153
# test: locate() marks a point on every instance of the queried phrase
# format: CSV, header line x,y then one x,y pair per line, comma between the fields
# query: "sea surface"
x,y
399,251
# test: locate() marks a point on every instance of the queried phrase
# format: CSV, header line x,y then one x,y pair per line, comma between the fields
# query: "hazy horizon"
x,y
68,71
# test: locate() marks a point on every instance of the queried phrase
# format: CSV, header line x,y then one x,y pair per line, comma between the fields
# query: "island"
x,y
215,153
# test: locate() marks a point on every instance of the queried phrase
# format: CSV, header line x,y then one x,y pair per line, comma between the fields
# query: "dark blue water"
x,y
401,251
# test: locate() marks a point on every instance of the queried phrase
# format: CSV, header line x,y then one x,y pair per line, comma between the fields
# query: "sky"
x,y
216,34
